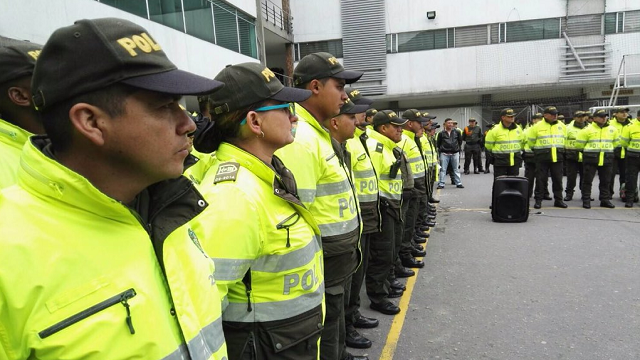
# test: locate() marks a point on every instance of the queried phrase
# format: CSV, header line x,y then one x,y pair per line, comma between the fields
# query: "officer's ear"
x,y
91,122
19,96
315,86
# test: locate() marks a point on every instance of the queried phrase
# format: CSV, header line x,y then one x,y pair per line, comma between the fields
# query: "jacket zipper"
x,y
121,298
10,133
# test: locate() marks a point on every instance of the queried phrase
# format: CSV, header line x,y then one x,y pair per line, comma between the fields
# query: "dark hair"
x,y
323,81
224,127
204,103
8,109
55,119
448,119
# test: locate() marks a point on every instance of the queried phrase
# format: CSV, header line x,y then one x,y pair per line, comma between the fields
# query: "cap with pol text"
x,y
551,110
371,112
414,115
322,65
350,108
508,112
387,117
601,113
579,113
249,83
356,96
620,109
537,116
93,54
17,59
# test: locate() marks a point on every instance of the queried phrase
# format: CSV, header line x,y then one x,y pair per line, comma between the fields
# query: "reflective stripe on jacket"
x,y
266,246
366,182
12,139
547,140
597,143
572,152
325,188
505,144
630,139
81,277
381,149
619,151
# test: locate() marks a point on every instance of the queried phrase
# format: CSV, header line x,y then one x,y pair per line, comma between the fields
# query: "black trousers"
x,y
334,332
604,176
487,160
381,247
409,217
352,310
542,176
619,166
505,170
474,154
631,184
574,168
530,174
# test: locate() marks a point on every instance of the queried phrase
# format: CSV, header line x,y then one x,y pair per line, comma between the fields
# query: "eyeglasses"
x,y
291,106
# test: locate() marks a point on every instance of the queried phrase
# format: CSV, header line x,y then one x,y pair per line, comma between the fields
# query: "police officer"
x,y
530,161
414,188
386,157
325,186
505,143
573,156
98,226
487,159
547,139
620,121
597,141
18,118
366,183
630,140
260,221
472,136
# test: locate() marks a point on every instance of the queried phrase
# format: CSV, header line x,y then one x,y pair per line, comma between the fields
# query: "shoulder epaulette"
x,y
379,147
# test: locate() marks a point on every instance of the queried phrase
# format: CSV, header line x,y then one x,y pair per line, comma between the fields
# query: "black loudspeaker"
x,y
510,199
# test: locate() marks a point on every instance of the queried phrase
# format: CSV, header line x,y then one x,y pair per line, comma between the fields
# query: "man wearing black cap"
x,y
547,140
366,184
325,185
387,159
573,156
18,118
472,136
505,143
487,159
597,142
99,223
529,159
620,121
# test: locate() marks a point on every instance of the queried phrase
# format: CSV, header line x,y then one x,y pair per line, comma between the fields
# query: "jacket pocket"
x,y
296,330
121,298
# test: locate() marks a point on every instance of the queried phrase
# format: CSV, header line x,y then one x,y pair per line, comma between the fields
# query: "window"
x,y
167,12
584,25
247,35
471,36
199,19
334,47
532,30
632,21
226,28
613,23
451,37
137,7
422,40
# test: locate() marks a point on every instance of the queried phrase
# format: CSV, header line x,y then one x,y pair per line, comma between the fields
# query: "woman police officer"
x,y
264,242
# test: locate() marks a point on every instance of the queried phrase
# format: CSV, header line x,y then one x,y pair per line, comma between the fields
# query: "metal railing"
x,y
272,13
628,76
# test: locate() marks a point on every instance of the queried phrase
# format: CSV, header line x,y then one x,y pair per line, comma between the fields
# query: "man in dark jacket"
x,y
449,142
472,136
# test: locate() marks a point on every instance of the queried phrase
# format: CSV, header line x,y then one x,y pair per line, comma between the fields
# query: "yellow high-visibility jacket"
x,y
597,143
505,144
366,182
547,140
12,139
82,276
325,187
630,139
266,246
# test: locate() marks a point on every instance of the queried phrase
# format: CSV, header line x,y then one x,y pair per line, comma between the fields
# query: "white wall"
x,y
35,20
247,6
411,15
621,5
315,20
476,67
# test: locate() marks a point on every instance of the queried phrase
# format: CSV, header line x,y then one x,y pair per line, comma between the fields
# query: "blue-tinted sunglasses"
x,y
291,106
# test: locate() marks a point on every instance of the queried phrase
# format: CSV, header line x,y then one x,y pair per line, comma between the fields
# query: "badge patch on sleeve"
x,y
227,172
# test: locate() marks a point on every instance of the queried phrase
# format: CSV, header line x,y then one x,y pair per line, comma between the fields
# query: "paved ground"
x,y
564,285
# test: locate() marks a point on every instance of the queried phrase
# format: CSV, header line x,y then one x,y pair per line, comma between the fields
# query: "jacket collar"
x,y
383,139
13,135
304,115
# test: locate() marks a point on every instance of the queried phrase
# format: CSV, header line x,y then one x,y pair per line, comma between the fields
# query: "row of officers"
x,y
131,230
590,144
